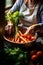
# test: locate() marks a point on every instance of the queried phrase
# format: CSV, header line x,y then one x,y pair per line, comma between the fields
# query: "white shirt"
x,y
30,15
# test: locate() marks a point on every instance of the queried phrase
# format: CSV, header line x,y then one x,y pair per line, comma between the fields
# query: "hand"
x,y
30,30
33,29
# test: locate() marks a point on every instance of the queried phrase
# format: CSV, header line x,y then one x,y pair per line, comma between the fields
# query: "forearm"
x,y
41,15
16,6
38,27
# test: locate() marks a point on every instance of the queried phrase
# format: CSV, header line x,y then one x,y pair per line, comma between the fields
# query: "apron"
x,y
29,15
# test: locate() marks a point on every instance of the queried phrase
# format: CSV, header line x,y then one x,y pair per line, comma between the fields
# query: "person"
x,y
32,11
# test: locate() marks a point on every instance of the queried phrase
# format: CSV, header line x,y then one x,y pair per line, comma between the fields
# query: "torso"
x,y
30,15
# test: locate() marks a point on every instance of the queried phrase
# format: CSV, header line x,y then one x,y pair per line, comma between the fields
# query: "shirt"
x,y
30,15
17,5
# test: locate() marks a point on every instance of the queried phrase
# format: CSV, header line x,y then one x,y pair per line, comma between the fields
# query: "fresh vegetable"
x,y
15,14
33,52
14,17
18,55
34,57
32,38
39,53
21,38
8,16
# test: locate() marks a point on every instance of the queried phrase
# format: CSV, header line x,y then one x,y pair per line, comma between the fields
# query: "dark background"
x,y
2,23
2,20
2,10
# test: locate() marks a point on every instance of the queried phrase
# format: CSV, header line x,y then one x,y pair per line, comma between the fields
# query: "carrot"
x,y
17,40
24,35
16,36
20,33
13,39
23,39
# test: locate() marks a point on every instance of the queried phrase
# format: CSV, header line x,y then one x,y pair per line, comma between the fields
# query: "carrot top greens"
x,y
14,17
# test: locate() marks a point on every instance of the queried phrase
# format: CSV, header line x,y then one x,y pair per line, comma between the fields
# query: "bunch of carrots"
x,y
22,38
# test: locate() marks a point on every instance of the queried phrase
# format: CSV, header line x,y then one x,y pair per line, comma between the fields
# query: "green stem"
x,y
16,29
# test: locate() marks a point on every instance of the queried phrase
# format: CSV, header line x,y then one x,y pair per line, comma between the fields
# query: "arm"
x,y
41,17
17,5
37,27
41,14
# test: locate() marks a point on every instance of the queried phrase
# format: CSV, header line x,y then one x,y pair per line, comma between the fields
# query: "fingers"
x,y
29,30
32,29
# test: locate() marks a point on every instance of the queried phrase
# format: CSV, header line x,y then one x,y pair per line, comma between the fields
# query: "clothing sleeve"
x,y
40,18
41,24
41,15
16,5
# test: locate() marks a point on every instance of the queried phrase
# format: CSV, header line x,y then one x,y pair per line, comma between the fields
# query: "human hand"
x,y
30,30
33,29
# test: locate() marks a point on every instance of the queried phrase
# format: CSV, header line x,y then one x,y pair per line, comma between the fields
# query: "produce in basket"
x,y
12,32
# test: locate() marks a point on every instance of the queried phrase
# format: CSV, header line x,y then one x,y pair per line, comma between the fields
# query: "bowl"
x,y
22,29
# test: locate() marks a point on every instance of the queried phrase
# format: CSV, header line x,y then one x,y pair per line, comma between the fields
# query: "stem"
x,y
16,29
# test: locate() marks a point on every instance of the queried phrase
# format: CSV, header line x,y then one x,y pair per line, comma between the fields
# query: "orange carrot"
x,y
16,36
13,39
17,40
20,33
23,39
